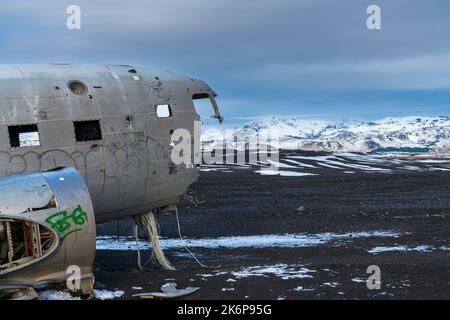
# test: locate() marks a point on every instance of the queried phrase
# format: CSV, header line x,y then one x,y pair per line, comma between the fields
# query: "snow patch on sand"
x,y
57,295
108,295
404,248
284,173
281,270
301,289
258,241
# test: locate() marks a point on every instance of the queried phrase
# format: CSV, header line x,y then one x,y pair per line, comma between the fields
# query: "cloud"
x,y
257,51
429,72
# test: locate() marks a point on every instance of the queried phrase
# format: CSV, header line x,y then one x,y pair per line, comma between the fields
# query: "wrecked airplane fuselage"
x,y
47,223
109,129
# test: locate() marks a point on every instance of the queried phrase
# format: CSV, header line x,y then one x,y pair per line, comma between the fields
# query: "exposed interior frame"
x,y
22,243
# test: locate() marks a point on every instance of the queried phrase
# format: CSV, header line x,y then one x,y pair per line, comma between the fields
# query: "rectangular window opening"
x,y
23,136
163,111
87,130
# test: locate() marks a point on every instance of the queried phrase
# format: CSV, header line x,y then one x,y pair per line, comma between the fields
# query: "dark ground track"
x,y
239,203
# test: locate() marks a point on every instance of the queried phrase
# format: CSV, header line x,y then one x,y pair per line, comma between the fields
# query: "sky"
x,y
295,58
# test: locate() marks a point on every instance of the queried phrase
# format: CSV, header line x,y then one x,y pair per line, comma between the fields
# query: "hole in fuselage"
x,y
77,87
163,111
87,130
22,136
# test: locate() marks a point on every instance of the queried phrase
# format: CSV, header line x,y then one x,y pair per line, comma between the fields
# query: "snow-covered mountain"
x,y
431,133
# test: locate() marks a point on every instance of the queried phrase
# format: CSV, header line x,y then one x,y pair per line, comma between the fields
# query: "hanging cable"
x,y
148,222
185,247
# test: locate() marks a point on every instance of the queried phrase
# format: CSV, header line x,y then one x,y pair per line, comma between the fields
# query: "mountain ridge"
x,y
430,133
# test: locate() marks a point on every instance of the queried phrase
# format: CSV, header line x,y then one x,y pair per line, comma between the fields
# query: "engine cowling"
x,y
47,229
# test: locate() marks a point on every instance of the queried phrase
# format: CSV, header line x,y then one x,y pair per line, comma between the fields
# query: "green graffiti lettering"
x,y
66,224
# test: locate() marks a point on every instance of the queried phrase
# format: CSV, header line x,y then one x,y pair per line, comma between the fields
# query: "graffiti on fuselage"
x,y
66,224
106,169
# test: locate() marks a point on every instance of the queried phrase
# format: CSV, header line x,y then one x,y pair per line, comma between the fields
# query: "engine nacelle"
x,y
47,225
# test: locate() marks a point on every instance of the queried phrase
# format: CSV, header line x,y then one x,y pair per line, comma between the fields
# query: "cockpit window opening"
x,y
163,111
203,102
87,130
22,136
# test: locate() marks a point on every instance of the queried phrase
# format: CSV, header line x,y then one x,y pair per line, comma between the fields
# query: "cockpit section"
x,y
201,91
